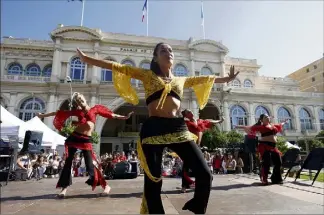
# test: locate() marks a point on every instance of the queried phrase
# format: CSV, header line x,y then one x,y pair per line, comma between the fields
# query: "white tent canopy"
x,y
289,145
8,129
9,121
48,134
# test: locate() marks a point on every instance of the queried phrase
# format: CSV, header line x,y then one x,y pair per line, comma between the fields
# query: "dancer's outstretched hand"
x,y
232,75
81,54
38,115
129,115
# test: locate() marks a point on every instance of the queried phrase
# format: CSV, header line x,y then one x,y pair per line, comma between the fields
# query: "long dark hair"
x,y
259,122
155,67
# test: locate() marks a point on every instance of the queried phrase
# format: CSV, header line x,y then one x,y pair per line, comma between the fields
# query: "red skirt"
x,y
83,142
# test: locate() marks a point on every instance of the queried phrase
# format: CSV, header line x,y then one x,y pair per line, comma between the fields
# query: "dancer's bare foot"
x,y
62,193
106,191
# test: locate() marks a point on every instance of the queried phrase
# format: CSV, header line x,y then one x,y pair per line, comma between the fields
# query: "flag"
x,y
144,10
202,14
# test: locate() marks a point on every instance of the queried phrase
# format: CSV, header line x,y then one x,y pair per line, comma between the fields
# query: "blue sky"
x,y
282,35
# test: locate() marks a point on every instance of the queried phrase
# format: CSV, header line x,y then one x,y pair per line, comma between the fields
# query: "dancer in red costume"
x,y
267,147
196,127
81,139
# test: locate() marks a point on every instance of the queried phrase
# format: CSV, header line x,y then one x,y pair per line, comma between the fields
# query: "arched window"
x,y
47,71
15,69
238,116
206,71
321,119
180,70
106,74
33,70
145,65
236,83
305,120
248,84
77,69
30,107
283,114
130,63
260,110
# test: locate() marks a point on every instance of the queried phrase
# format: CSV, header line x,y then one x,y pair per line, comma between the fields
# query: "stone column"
x,y
56,64
68,70
95,72
192,62
251,114
93,100
12,103
315,119
296,118
50,108
85,73
274,113
195,108
222,66
227,123
3,66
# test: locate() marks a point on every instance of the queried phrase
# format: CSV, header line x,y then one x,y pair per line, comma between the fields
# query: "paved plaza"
x,y
231,194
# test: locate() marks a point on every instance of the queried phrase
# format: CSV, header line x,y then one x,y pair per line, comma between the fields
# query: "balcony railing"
x,y
22,78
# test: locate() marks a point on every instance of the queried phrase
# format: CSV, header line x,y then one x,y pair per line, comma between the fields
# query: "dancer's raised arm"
x,y
44,115
133,72
93,61
203,79
216,121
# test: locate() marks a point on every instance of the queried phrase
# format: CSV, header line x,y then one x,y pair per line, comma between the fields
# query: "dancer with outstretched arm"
x,y
267,147
164,128
197,127
81,139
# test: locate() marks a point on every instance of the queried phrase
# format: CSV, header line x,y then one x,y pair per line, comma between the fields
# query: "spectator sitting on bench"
x,y
296,168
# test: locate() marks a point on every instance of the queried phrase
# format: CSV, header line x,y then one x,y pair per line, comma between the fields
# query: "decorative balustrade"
x,y
271,91
23,78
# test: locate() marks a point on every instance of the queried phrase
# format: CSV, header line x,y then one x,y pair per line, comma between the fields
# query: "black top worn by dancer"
x,y
163,93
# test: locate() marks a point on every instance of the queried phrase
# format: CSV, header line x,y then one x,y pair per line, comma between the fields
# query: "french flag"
x,y
144,10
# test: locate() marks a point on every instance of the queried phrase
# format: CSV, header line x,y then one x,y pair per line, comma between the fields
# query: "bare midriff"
x,y
271,138
170,108
86,128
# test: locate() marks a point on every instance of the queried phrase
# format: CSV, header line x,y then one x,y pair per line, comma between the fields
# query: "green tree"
x,y
281,144
234,137
68,129
320,136
214,138
312,143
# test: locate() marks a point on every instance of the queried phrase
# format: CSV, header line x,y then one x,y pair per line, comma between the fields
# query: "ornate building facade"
x,y
34,79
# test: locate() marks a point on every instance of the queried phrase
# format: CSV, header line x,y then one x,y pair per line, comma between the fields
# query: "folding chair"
x,y
314,161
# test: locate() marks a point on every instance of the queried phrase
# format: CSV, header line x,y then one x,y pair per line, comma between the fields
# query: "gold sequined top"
x,y
122,75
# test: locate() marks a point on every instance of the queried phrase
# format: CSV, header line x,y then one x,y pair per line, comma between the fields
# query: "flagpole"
x,y
203,19
147,17
82,12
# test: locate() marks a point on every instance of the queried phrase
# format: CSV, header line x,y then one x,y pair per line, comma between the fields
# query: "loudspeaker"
x,y
250,144
32,142
6,161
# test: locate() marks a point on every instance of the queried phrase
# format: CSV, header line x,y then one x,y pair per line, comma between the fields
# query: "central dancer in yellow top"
x,y
164,128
